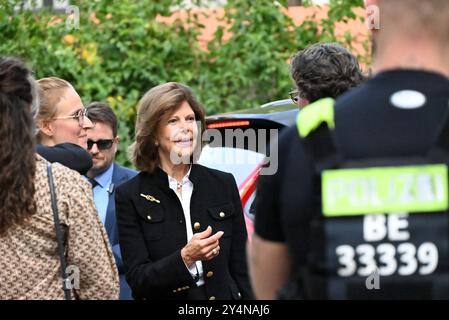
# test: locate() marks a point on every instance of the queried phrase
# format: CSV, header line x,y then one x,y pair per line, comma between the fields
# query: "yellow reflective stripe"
x,y
351,192
313,115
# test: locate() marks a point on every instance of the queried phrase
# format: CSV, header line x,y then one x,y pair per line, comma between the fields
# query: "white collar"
x,y
174,184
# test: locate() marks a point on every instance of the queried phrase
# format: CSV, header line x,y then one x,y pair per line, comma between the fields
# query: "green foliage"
x,y
120,50
249,68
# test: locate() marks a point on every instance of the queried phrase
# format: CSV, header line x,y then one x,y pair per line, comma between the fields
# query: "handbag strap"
x,y
65,284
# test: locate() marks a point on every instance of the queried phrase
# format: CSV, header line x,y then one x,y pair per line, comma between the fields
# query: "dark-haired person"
x,y
323,70
106,175
362,205
181,226
29,262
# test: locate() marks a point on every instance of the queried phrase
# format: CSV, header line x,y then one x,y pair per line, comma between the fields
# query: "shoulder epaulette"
x,y
313,115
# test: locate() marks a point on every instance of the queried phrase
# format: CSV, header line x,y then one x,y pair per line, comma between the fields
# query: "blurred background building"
x,y
61,5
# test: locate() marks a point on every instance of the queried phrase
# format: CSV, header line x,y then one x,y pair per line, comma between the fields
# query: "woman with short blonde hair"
x,y
62,116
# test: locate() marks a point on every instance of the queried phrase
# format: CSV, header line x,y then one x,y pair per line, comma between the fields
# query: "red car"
x,y
238,144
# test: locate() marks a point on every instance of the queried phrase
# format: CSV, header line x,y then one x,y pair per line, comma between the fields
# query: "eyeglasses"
x,y
294,95
80,115
102,144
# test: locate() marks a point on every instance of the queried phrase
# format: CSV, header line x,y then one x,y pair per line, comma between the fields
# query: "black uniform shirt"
x,y
379,118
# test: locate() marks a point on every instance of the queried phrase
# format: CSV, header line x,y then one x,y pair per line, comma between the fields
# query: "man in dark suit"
x,y
105,175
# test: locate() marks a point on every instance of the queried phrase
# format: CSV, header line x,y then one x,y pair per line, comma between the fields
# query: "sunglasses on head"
x,y
102,144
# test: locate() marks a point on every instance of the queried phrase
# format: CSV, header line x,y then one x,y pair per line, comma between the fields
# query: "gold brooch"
x,y
150,198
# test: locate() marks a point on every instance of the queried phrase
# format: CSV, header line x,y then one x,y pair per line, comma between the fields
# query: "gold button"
x,y
212,298
196,226
179,289
209,274
222,214
149,217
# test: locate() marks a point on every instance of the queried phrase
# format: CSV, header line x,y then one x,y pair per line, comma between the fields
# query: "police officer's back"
x,y
366,233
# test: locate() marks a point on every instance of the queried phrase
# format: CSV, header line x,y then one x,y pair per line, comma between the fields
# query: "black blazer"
x,y
152,234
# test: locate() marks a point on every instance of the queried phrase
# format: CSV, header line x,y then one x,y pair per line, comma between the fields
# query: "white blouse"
x,y
184,197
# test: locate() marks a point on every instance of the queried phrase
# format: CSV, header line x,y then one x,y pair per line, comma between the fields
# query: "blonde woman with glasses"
x,y
62,116
62,125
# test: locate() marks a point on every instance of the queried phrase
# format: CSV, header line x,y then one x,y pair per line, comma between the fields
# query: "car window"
x,y
239,162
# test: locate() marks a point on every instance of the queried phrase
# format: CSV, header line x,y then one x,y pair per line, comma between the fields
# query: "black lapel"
x,y
156,184
109,221
153,184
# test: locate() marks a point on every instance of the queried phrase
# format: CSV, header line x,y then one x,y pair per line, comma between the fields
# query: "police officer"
x,y
362,205
323,70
